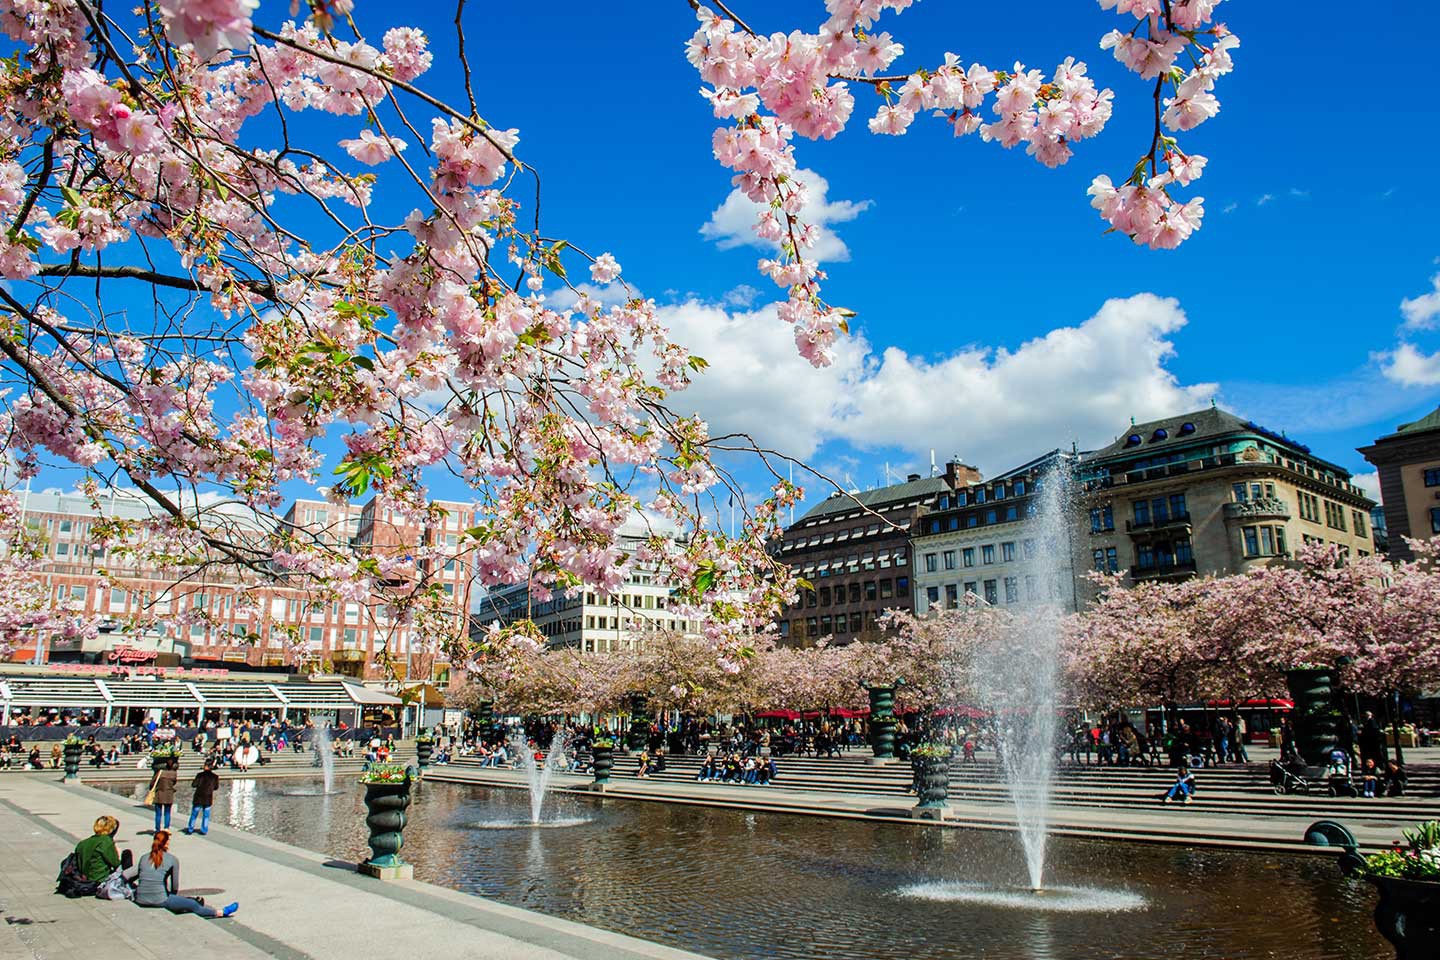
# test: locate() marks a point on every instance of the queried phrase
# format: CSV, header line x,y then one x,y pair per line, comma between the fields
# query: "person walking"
x,y
206,782
162,792
158,882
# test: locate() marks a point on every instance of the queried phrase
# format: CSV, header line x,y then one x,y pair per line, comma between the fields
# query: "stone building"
x,y
588,620
989,538
1408,461
1209,493
854,549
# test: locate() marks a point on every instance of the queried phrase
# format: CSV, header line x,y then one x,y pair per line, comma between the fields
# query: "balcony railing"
x,y
1175,569
1151,526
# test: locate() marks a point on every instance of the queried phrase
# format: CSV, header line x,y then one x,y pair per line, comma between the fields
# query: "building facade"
x,y
991,538
212,618
854,550
1209,493
1408,462
588,620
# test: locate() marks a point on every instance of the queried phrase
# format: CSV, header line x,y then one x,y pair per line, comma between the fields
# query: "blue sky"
x,y
1320,219
974,271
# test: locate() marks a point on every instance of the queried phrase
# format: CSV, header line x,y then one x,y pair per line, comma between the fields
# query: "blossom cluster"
x,y
1142,206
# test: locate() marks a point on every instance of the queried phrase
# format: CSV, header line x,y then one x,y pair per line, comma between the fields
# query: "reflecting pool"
x,y
742,885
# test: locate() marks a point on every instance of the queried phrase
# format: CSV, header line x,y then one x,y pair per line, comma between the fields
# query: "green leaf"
x,y
364,363
71,195
698,363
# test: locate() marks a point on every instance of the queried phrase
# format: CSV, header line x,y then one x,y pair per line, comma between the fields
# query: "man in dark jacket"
x,y
206,782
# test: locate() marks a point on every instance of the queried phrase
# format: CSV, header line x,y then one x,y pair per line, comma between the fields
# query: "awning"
x,y
367,697
427,693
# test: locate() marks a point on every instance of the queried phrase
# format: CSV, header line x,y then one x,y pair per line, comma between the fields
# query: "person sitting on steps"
x,y
1184,785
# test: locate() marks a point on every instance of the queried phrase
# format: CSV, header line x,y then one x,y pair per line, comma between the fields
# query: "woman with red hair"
x,y
158,874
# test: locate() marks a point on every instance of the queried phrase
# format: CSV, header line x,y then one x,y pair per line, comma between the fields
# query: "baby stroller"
x,y
1296,777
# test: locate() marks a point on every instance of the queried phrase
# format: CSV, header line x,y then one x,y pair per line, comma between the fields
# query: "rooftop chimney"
x,y
959,474
912,477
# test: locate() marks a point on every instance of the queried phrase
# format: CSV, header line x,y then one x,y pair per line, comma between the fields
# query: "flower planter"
x,y
423,750
1407,739
72,760
602,762
386,803
932,781
882,721
1408,915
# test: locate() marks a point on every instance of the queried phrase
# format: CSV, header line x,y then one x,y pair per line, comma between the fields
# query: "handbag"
x,y
150,794
115,887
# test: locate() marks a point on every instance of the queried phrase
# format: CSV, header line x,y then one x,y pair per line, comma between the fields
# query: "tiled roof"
x,y
1210,422
878,498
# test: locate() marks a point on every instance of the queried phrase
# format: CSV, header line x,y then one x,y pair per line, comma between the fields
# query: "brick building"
x,y
245,625
854,549
1408,462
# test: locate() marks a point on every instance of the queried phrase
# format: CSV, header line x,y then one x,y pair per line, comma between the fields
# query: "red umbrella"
x,y
777,715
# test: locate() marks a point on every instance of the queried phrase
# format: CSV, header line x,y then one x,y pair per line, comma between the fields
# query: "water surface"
x,y
743,886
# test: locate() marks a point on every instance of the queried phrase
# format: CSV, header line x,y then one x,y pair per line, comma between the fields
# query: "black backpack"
x,y
72,882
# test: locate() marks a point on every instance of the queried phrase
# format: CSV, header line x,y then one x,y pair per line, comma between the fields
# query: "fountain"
x,y
537,776
323,756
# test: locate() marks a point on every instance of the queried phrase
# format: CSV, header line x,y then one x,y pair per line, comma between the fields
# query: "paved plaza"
x,y
295,904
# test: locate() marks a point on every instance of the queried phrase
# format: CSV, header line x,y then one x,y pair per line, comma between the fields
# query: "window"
x,y
1267,541
842,623
1160,509
970,586
1252,541
949,559
62,549
1007,551
952,596
1012,513
1019,488
350,636
967,556
1142,513
1012,590
855,592
1309,507
987,553
66,526
1032,588
826,624
1145,556
78,592
318,633
990,516
999,491
962,498
1112,559
902,586
1435,519
869,589
1432,477
1359,518
1184,553
887,589
979,494
117,599
929,563
1101,519
812,626
1334,515
1029,548
1098,556
1280,542
824,596
1177,506
991,592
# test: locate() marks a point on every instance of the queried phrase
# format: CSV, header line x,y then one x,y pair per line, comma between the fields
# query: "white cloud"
x,y
742,296
609,295
1264,199
1423,312
732,223
1411,367
1368,482
995,407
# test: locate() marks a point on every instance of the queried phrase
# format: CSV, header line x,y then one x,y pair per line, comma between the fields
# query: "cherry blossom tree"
x,y
202,302
776,87
27,611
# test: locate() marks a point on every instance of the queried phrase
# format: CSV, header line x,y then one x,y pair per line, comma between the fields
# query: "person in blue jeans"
x,y
164,787
1183,787
157,877
206,782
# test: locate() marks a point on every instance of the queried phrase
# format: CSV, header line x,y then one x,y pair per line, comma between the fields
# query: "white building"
x,y
589,620
987,538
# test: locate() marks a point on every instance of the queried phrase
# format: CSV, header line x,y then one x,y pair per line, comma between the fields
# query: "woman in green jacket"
x,y
97,854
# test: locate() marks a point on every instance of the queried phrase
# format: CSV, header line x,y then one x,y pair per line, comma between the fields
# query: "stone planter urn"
x,y
637,737
602,762
1408,915
882,718
932,781
385,803
1317,715
423,750
72,759
156,762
